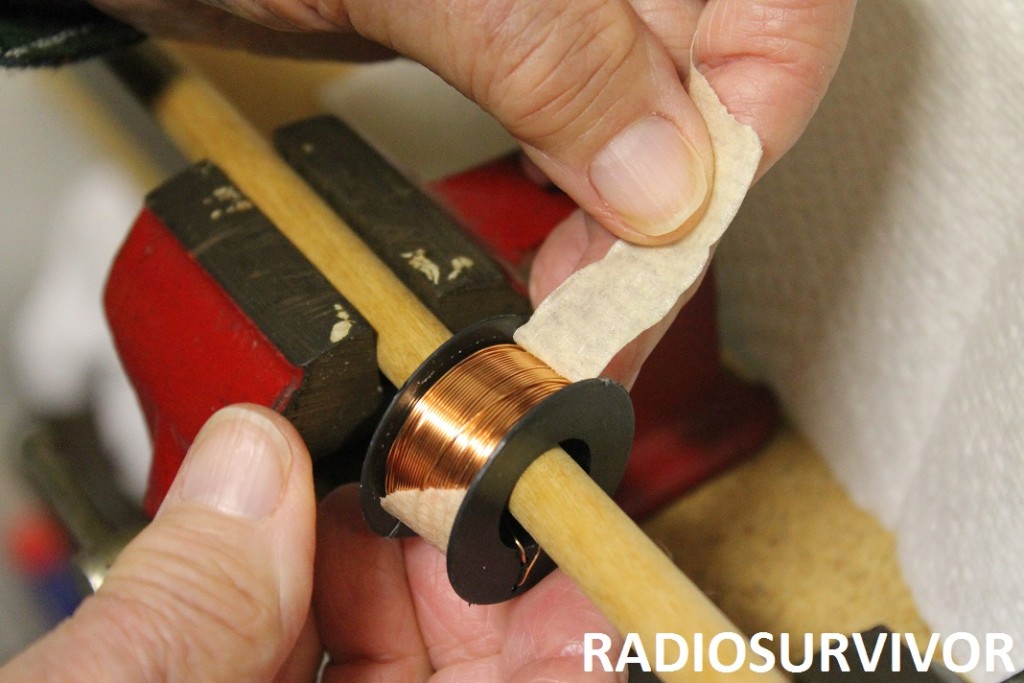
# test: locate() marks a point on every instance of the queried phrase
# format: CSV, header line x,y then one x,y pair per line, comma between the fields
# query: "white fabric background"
x,y
876,278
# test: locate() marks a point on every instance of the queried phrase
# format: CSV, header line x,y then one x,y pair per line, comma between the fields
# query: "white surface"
x,y
874,277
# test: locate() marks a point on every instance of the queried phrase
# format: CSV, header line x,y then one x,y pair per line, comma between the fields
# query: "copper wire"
x,y
458,423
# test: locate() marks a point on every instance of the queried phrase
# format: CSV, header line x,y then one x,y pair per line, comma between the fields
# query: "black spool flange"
x,y
592,420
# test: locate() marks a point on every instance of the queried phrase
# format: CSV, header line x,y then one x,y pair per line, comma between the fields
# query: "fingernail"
x,y
651,176
238,464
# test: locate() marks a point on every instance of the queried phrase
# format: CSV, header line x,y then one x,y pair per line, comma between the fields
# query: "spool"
x,y
490,557
613,562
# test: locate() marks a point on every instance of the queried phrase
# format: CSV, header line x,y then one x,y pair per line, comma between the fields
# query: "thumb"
x,y
217,588
590,92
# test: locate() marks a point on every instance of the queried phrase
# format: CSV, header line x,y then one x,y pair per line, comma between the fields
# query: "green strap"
x,y
42,33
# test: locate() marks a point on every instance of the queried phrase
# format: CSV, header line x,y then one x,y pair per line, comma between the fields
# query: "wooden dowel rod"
x,y
206,126
637,587
619,567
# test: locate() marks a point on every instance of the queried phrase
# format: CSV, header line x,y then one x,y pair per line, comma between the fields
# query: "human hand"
x,y
218,588
420,626
593,89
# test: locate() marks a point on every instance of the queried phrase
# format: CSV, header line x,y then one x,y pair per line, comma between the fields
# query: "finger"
x,y
574,243
546,633
305,658
533,172
361,599
279,14
217,587
673,22
771,61
161,16
194,21
454,631
577,242
626,365
583,84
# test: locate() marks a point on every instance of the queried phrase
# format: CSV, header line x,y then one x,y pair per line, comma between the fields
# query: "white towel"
x,y
876,278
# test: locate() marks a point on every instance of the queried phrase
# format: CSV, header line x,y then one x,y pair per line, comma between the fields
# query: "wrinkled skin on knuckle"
x,y
797,41
804,41
310,36
281,15
268,13
173,18
543,69
311,15
213,20
334,11
191,621
772,61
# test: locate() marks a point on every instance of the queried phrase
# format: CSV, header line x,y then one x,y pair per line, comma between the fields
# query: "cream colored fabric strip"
x,y
599,309
430,512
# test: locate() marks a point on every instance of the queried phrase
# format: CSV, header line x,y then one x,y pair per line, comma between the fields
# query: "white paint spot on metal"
x,y
460,264
341,328
231,200
418,260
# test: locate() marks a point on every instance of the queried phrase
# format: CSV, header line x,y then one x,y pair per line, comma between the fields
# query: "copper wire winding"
x,y
459,422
